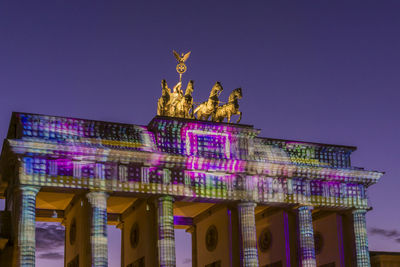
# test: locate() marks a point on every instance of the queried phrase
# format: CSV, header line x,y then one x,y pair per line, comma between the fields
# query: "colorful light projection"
x,y
248,234
26,203
206,144
98,235
299,153
306,237
361,238
166,234
193,159
201,139
191,183
84,132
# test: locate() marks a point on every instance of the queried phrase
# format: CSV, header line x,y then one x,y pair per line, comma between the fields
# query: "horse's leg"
x,y
198,113
214,117
201,115
240,116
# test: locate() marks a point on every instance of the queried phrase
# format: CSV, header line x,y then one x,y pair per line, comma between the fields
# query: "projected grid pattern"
x,y
77,154
184,159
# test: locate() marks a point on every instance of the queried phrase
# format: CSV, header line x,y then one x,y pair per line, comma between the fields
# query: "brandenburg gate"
x,y
246,200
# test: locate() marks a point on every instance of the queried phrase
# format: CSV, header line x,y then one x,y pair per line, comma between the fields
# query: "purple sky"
x,y
321,71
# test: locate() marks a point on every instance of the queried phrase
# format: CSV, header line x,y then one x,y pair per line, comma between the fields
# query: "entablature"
x,y
73,153
199,160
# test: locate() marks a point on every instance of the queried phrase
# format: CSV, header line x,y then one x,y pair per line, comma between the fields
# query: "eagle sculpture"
x,y
182,58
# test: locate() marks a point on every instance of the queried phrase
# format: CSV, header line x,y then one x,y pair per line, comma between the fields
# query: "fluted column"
x,y
166,236
98,231
247,224
361,239
306,236
25,215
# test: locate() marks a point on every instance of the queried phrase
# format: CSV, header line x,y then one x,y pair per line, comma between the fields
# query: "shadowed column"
x,y
247,224
25,206
98,235
166,237
192,231
306,236
361,239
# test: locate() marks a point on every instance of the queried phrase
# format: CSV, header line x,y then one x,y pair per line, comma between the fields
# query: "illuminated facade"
x,y
247,200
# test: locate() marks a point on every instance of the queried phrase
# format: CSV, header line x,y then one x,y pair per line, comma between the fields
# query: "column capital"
x,y
98,198
165,197
305,207
247,204
359,211
27,188
97,192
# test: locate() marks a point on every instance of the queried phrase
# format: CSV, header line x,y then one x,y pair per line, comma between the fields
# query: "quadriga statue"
x,y
208,108
174,103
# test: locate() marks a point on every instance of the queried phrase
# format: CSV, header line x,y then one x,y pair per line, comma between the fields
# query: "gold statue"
x,y
176,96
164,101
205,109
181,67
185,104
230,108
176,104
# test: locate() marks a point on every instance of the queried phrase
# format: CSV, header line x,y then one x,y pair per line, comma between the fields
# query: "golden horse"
x,y
230,108
175,104
205,109
183,106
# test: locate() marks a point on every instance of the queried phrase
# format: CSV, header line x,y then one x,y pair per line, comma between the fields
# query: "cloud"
x,y
51,256
391,234
49,236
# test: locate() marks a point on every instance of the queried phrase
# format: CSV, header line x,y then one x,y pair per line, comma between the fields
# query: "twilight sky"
x,y
321,71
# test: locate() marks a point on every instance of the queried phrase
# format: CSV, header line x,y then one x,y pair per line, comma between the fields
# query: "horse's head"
x,y
238,92
189,88
217,89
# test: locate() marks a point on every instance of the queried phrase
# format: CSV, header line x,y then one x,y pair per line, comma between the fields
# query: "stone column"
x,y
166,234
361,239
98,231
306,236
192,230
24,219
121,226
248,237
